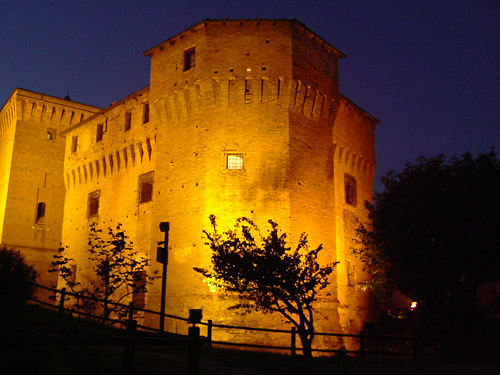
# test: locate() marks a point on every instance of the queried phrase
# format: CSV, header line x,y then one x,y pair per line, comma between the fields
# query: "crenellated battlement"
x,y
246,93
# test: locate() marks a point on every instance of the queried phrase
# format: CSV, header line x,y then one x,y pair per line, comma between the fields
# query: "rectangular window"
x,y
74,143
93,203
128,120
145,188
189,59
145,113
234,160
351,194
40,213
99,132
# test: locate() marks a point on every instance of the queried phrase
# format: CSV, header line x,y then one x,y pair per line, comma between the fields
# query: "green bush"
x,y
16,278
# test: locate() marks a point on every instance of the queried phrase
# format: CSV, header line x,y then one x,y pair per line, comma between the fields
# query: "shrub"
x,y
16,278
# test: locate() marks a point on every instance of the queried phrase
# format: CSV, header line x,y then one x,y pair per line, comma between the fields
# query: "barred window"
x,y
234,160
189,59
351,193
145,188
93,203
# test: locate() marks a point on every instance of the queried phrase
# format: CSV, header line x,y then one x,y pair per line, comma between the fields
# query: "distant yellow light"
x,y
211,285
413,305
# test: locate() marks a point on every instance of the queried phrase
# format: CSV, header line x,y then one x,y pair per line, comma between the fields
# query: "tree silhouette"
x,y
434,237
16,278
268,274
119,271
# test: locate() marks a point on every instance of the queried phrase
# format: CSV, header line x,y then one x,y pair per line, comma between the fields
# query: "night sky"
x,y
428,70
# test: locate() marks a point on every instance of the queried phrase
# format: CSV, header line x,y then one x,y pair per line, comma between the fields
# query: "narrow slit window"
x,y
145,187
234,161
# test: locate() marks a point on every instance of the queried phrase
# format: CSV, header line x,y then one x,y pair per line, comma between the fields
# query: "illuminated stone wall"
x,y
267,90
353,157
109,167
31,167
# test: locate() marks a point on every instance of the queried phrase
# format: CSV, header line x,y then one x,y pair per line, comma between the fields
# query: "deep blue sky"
x,y
428,70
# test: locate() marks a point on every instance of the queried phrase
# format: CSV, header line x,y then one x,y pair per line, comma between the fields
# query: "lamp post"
x,y
162,257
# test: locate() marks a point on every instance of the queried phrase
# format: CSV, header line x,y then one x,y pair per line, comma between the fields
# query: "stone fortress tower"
x,y
31,170
241,118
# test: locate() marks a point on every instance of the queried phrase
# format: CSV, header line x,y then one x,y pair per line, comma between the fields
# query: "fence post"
x,y
129,348
415,345
193,360
209,333
61,301
293,341
362,344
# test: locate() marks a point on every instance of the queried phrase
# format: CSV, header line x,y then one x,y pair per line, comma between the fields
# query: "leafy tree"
x,y
119,270
268,274
16,278
434,236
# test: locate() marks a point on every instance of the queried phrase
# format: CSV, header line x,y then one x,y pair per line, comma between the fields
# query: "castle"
x,y
241,118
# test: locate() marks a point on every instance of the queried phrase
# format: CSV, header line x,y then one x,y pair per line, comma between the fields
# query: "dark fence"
x,y
369,344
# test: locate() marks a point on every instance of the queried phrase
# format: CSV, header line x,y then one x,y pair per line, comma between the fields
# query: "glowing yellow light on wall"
x,y
413,305
211,284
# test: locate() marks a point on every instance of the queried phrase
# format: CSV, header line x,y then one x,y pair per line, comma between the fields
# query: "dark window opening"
x,y
99,132
351,194
145,113
145,188
128,120
40,212
74,143
189,59
93,203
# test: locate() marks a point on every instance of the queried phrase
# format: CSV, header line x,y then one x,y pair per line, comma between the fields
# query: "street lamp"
x,y
162,257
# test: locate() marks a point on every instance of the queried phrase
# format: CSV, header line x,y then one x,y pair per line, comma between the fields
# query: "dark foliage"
x,y
267,274
16,278
434,236
119,271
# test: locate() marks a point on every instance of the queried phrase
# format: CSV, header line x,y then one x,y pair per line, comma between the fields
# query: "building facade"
x,y
31,167
241,118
